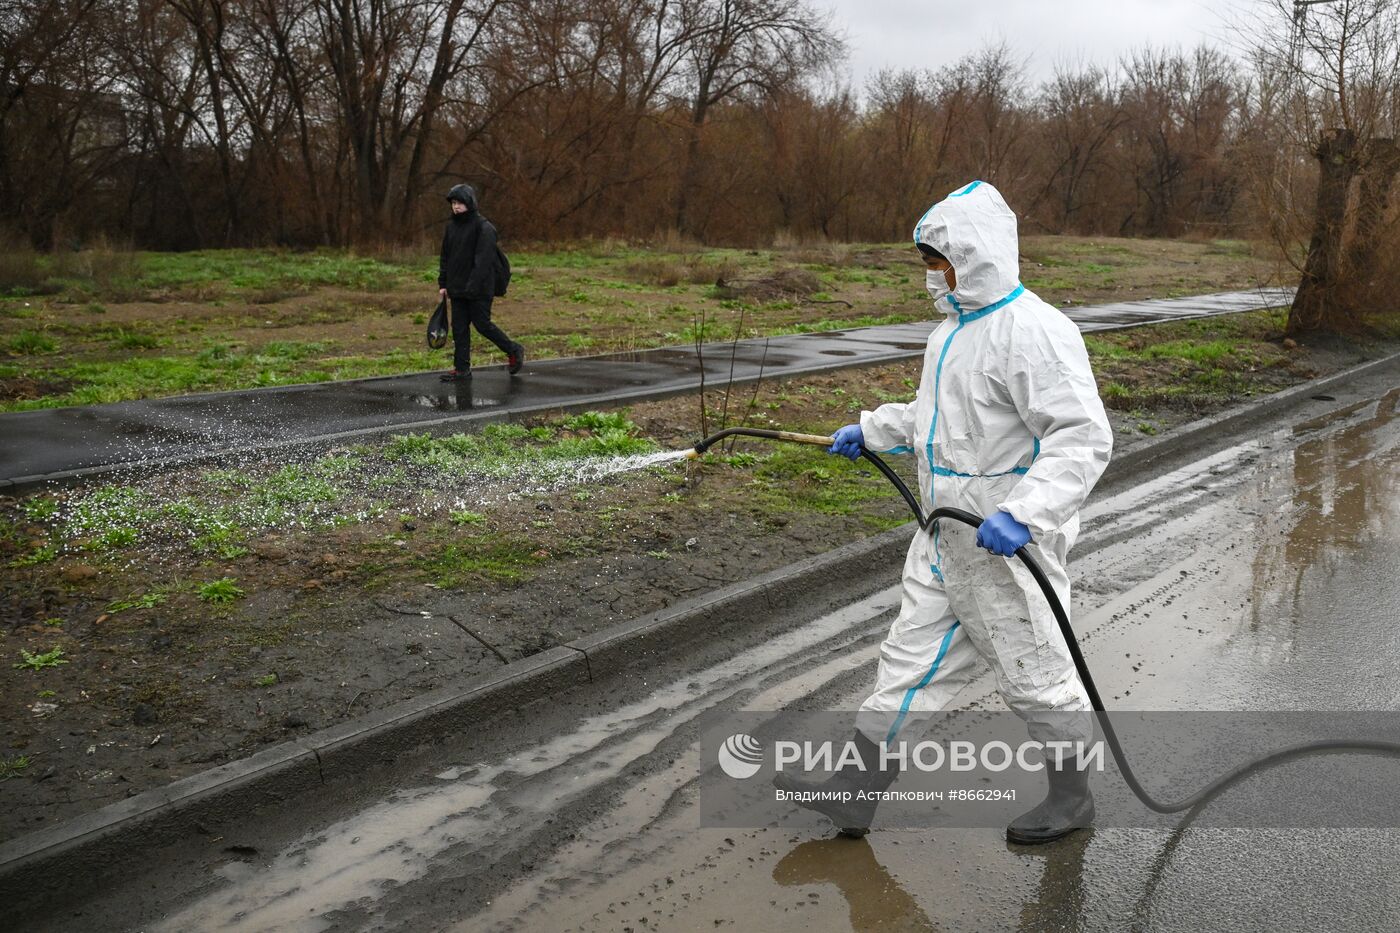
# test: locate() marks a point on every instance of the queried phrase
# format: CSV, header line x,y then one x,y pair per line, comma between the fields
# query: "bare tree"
x,y
59,124
911,125
204,122
390,62
1337,63
1082,116
735,46
811,148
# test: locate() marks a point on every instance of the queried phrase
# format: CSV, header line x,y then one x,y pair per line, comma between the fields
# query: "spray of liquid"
x,y
595,469
217,512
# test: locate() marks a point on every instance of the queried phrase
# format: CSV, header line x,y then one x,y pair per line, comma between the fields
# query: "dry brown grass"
x,y
667,271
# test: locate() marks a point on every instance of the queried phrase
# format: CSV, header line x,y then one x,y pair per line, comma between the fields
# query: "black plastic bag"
x,y
437,327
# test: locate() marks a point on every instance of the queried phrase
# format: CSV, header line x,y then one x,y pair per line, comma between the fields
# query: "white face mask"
x,y
937,284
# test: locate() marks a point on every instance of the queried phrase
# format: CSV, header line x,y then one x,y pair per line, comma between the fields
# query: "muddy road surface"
x,y
1263,576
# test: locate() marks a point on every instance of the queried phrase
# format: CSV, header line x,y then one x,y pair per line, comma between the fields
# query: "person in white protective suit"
x,y
1007,424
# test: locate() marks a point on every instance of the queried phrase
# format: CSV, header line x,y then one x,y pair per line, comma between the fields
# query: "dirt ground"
x,y
178,654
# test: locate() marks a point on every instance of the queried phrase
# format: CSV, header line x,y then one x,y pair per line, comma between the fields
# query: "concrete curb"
x,y
47,862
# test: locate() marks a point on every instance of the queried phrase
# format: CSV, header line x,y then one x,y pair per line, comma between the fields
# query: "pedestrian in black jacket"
x,y
467,276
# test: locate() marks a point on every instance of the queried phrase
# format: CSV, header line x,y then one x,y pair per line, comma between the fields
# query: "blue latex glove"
x,y
1002,534
848,442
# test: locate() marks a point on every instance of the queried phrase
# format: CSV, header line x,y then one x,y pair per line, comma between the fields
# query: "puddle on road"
x,y
873,897
1345,488
461,400
1268,566
1325,595
476,805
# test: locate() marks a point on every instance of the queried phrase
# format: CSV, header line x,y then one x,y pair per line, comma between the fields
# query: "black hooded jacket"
x,y
467,268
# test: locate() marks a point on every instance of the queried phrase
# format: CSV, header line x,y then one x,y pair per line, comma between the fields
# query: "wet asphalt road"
x,y
1262,577
57,443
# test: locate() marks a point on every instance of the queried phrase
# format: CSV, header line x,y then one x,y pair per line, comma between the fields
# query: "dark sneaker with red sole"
x,y
515,361
455,376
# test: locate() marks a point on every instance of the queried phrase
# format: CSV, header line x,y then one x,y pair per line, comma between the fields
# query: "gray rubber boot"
x,y
851,816
1068,806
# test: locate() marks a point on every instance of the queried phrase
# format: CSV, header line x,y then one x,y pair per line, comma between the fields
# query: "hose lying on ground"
x,y
1062,619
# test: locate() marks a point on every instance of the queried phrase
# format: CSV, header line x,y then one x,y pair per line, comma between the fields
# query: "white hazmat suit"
x,y
1007,417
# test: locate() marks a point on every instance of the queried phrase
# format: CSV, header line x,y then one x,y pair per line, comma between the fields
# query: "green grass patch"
x,y
221,591
40,508
501,449
1211,351
1191,364
215,513
32,343
490,557
599,421
37,662
139,601
244,269
218,367
124,338
40,555
796,477
13,766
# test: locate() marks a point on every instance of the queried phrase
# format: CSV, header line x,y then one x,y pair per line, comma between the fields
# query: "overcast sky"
x,y
934,33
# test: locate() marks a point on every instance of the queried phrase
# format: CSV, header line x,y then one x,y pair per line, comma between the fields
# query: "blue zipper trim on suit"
x,y
944,471
967,317
963,320
901,449
909,694
967,190
922,219
933,426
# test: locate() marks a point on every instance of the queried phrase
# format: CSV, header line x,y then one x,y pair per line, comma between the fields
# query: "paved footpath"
x,y
62,443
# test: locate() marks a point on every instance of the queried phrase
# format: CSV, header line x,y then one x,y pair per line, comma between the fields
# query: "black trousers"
x,y
468,313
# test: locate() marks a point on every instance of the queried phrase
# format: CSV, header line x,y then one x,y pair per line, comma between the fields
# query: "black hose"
x,y
713,439
1062,619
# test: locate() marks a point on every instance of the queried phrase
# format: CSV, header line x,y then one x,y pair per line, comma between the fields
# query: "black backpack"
x,y
502,273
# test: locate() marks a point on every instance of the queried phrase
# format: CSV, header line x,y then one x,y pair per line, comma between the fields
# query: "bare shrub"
x,y
831,254
787,282
667,271
22,273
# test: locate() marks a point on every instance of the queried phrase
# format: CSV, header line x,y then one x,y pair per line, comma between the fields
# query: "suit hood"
x,y
976,231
